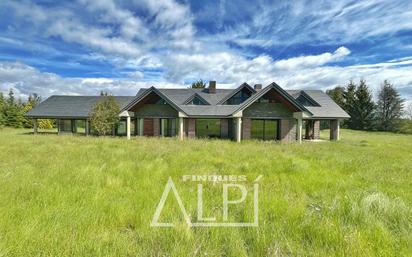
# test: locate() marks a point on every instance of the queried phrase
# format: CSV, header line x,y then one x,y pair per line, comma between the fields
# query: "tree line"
x,y
386,114
12,111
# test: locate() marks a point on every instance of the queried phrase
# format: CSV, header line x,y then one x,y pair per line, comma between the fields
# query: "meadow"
x,y
90,196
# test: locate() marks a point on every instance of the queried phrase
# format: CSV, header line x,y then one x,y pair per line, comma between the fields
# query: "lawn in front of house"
x,y
90,196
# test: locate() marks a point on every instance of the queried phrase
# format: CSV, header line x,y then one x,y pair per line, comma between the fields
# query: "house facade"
x,y
269,113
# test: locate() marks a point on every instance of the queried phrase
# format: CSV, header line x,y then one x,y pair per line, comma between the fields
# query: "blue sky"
x,y
85,46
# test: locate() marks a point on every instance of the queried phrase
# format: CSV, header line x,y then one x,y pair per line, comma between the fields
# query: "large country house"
x,y
269,113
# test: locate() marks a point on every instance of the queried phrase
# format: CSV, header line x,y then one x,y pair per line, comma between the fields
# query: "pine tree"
x,y
364,107
13,113
389,107
337,94
198,84
349,106
2,106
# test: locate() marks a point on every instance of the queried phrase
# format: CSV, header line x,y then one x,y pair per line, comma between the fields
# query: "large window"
x,y
264,129
65,125
168,127
208,128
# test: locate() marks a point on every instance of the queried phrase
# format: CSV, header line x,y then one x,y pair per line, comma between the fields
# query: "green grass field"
x,y
78,196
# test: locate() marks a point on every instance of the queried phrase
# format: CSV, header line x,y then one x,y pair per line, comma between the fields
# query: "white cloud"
x,y
25,80
228,69
312,60
166,41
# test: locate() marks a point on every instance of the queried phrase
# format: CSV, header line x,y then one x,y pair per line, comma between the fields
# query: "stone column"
x,y
156,127
246,128
141,126
316,129
162,127
299,130
238,129
181,130
128,127
86,127
334,130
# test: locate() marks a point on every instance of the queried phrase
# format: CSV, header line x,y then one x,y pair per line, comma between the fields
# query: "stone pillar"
x,y
316,129
35,126
246,128
288,130
309,132
181,128
163,127
191,128
299,131
334,130
128,127
86,127
238,129
156,127
141,126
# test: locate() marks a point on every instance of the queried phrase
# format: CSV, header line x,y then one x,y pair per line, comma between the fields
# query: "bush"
x,y
105,115
405,126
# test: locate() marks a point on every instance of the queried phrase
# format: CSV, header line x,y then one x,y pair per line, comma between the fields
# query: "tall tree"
x,y
338,95
198,84
13,114
105,115
349,100
408,112
2,106
389,107
364,107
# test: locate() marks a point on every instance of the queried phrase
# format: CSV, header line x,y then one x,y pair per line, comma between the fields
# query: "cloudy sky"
x,y
85,46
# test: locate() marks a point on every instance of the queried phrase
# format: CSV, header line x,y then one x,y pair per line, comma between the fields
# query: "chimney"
x,y
258,87
212,87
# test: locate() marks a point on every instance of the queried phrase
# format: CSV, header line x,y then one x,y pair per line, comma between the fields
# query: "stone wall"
x,y
246,128
287,130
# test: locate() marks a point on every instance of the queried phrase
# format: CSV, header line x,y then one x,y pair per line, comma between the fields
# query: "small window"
x,y
266,99
161,101
196,101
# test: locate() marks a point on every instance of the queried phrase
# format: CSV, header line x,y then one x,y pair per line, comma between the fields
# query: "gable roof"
x,y
80,106
234,92
194,96
143,93
59,106
279,90
327,109
178,96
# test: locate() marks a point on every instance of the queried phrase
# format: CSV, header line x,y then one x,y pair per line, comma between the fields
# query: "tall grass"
x,y
78,196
